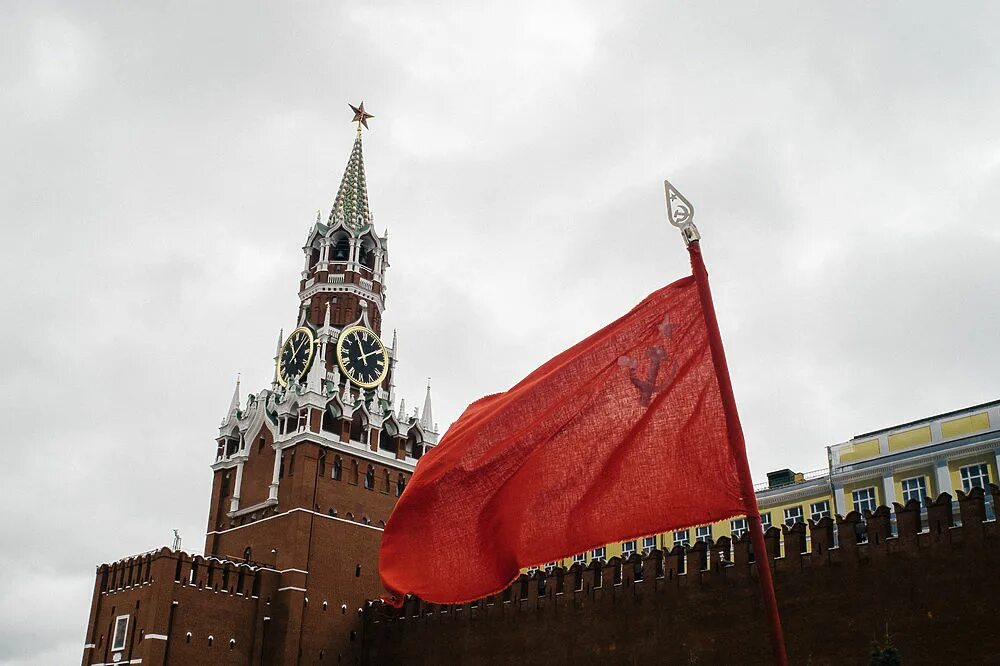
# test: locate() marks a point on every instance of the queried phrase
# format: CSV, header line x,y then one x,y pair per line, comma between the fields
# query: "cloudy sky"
x,y
162,165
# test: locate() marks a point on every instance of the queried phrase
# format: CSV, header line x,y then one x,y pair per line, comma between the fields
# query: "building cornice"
x,y
353,448
290,512
902,461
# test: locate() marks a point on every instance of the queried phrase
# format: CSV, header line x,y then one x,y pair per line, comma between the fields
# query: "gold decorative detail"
x,y
294,339
350,372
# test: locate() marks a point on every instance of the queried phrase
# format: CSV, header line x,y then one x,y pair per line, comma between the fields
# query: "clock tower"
x,y
306,473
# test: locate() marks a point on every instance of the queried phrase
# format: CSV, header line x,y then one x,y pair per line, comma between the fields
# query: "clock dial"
x,y
296,355
362,357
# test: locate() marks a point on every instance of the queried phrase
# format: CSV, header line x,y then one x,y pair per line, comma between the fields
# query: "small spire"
x,y
277,355
427,420
394,353
326,317
401,415
234,404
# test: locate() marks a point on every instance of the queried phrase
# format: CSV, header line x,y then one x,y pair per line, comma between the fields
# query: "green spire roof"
x,y
351,204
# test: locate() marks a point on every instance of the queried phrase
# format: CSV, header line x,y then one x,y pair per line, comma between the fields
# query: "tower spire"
x,y
277,355
234,404
427,417
351,205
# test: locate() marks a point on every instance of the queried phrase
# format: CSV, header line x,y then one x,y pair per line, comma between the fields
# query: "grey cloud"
x,y
164,163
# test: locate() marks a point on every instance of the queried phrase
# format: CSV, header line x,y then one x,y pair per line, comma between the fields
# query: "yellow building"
x,y
958,450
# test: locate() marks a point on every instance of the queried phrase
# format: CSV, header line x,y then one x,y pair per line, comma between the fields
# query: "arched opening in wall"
x,y
370,478
354,472
246,554
387,483
359,427
331,418
321,464
400,484
366,254
337,468
313,256
414,444
340,247
386,437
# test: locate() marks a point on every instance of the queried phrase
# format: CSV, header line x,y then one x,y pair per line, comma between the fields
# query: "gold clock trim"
x,y
281,354
385,356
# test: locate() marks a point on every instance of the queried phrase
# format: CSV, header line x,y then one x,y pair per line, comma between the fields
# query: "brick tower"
x,y
305,476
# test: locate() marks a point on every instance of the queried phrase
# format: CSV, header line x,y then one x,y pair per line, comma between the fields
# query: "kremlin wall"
x,y
929,590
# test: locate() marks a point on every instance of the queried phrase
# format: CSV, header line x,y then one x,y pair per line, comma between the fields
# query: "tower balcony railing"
x,y
335,278
365,284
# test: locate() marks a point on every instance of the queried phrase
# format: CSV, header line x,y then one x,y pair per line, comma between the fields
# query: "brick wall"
x,y
930,586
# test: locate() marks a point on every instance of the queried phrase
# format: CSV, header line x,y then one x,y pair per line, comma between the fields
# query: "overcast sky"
x,y
162,164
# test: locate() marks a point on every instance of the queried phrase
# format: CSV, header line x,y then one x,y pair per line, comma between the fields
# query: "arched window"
x,y
414,445
400,485
341,248
313,256
359,427
370,478
337,468
366,255
386,441
246,554
354,472
331,418
321,463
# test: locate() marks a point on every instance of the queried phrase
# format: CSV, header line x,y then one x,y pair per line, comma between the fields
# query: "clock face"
x,y
362,357
296,355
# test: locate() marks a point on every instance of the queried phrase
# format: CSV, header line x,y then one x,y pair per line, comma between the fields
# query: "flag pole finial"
x,y
680,213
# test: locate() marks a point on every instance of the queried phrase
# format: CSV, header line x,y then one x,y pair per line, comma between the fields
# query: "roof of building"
x,y
351,205
954,412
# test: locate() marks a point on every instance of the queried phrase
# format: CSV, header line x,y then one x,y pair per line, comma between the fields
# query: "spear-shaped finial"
x,y
680,213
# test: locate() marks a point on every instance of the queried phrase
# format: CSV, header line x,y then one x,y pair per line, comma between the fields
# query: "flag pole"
x,y
680,213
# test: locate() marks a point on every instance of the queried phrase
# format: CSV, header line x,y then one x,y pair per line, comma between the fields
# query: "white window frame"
x,y
118,639
738,527
870,502
920,490
532,570
792,518
599,553
628,547
648,547
579,557
684,539
703,534
818,514
978,472
765,521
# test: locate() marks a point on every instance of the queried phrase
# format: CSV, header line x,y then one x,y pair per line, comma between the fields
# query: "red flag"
x,y
621,436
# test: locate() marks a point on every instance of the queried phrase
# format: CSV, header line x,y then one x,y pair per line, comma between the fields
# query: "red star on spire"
x,y
360,115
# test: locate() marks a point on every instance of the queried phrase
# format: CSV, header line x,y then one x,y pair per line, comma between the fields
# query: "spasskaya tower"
x,y
305,475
